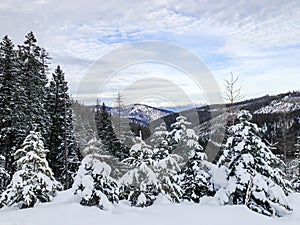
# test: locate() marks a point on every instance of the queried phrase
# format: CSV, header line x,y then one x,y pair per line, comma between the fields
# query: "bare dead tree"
x,y
232,93
119,106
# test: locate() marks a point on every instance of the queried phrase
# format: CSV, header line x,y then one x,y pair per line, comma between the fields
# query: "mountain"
x,y
278,115
139,113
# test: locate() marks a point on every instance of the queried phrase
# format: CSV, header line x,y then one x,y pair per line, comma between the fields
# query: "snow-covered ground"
x,y
65,210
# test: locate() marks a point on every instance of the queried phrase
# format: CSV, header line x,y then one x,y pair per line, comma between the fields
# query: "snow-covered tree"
x,y
296,167
33,181
95,146
252,180
166,164
183,139
160,143
127,139
140,185
31,68
4,175
195,178
64,155
94,184
8,91
107,133
167,172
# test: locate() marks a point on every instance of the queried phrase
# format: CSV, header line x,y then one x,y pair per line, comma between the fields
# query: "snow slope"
x,y
287,104
139,113
65,210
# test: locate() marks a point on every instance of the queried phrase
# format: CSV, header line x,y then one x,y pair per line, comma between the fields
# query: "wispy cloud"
x,y
257,39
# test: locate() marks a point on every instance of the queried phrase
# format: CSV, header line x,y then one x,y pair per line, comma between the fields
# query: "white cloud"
x,y
253,38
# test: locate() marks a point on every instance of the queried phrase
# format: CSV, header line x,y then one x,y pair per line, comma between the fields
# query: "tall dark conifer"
x,y
64,155
10,92
31,68
107,133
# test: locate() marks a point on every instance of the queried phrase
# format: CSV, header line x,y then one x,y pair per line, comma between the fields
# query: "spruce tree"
x,y
34,80
33,181
4,175
183,139
84,124
10,86
107,133
296,167
95,146
195,178
64,155
160,143
94,184
140,185
166,164
252,180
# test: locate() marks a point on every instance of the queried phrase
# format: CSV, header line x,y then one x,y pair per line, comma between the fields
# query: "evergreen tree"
x,y
296,167
195,178
64,155
183,139
10,86
4,175
160,143
107,134
34,80
33,181
166,164
95,146
140,185
84,124
94,184
252,180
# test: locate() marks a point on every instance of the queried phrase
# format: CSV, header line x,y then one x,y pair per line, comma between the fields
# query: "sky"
x,y
256,40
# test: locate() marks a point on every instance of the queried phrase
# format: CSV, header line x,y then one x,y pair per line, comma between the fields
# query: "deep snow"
x,y
65,210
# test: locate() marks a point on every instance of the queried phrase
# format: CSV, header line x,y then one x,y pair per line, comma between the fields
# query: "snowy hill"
x,y
286,104
65,210
268,112
140,113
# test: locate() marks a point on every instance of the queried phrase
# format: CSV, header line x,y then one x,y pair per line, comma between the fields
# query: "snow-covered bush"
x,y
94,184
251,178
33,181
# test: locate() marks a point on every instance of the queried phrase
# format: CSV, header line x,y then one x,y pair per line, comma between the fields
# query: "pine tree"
x,y
33,181
107,134
4,175
160,143
84,124
166,164
64,155
32,69
10,86
140,185
195,178
183,139
296,177
94,184
252,180
95,146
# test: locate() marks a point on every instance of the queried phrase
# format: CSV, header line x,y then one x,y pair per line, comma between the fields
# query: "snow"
x,y
66,210
287,104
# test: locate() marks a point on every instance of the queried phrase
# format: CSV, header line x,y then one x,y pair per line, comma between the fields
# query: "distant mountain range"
x,y
139,113
278,115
